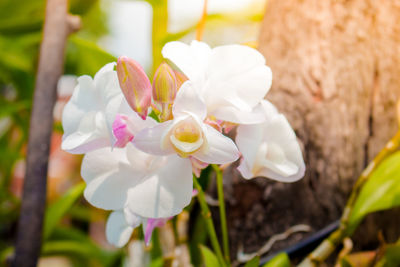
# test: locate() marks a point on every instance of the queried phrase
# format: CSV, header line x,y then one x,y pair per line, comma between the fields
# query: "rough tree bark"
x,y
336,68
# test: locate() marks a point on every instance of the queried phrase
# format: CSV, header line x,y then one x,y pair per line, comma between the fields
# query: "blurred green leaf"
x,y
21,16
77,249
380,192
85,57
391,257
209,258
254,262
280,260
57,210
8,108
157,263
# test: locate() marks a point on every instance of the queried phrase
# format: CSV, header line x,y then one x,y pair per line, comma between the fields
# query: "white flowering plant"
x,y
145,143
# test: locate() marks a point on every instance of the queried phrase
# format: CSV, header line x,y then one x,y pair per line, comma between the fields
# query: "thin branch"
x,y
56,29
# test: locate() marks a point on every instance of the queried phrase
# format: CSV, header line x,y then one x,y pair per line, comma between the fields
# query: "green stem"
x,y
209,223
322,252
222,212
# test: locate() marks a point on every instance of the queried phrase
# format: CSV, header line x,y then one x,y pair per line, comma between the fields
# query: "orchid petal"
x,y
118,232
165,192
218,150
89,114
108,176
150,224
189,101
191,59
151,140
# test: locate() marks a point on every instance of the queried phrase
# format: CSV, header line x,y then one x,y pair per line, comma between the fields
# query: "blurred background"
x,y
336,77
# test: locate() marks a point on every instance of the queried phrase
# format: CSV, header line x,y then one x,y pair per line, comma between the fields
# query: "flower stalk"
x,y
322,252
222,212
209,222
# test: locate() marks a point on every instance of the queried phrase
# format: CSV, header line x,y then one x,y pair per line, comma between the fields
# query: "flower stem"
x,y
222,212
322,252
209,223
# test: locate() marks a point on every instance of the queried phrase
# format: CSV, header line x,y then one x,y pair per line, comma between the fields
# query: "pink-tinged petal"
x,y
152,140
165,192
135,85
197,165
218,149
121,131
118,232
152,224
188,100
216,124
194,192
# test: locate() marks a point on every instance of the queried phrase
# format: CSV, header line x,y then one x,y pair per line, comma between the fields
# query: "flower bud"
x,y
164,90
135,85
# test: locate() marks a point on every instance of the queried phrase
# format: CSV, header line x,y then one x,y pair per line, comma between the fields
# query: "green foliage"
x,y
57,210
391,256
254,262
380,192
85,57
209,258
280,260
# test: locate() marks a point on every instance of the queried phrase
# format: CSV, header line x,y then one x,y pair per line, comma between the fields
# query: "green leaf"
x,y
254,262
391,257
380,192
76,249
209,258
280,260
58,209
8,108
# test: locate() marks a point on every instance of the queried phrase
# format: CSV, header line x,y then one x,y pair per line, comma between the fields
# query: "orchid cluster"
x,y
143,141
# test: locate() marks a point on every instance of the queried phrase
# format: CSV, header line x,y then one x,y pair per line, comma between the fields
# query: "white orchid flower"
x,y
149,186
270,149
120,225
88,116
187,134
231,79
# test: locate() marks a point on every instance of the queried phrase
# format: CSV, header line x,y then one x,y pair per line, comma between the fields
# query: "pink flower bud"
x,y
135,85
164,90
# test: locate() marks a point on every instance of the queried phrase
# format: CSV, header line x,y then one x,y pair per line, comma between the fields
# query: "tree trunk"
x,y
336,76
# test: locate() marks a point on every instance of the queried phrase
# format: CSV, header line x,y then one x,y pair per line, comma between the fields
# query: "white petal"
x,y
218,149
166,192
237,74
280,132
108,175
248,140
191,60
131,218
88,116
233,114
91,134
151,140
188,101
118,232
